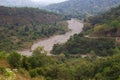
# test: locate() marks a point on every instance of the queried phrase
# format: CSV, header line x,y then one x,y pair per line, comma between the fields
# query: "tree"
x,y
39,50
26,63
14,59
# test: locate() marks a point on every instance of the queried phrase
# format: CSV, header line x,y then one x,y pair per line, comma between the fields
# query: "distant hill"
x,y
107,24
20,26
83,8
26,16
99,31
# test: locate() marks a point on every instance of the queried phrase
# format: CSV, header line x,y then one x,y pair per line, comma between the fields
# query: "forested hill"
x,y
20,26
107,24
99,31
83,8
26,16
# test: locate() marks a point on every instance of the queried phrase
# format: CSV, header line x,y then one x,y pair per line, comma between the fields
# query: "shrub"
x,y
14,59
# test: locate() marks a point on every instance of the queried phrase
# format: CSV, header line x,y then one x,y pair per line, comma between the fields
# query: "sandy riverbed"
x,y
76,27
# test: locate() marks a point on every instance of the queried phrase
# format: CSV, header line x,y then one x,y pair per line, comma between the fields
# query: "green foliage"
x,y
14,59
33,73
110,68
86,72
25,63
57,49
19,27
107,24
35,61
38,51
3,55
81,45
51,68
2,70
7,73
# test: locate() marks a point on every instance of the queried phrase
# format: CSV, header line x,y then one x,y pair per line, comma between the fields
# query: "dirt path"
x,y
73,24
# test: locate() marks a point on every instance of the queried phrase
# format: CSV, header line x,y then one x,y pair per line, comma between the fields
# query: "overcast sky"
x,y
28,2
48,1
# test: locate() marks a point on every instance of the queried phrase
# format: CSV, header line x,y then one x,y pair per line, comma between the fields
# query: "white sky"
x,y
48,1
28,2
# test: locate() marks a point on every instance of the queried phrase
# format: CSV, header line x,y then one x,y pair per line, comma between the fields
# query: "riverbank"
x,y
74,25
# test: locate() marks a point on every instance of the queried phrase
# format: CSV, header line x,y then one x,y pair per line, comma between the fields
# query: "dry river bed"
x,y
74,25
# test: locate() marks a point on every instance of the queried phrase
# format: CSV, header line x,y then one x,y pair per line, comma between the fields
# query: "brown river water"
x,y
74,25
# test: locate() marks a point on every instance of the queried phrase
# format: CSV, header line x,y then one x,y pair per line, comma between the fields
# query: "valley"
x,y
75,27
71,40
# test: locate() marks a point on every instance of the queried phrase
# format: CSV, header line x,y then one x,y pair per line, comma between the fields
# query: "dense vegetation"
x,y
42,67
107,24
83,8
20,26
101,32
80,45
103,56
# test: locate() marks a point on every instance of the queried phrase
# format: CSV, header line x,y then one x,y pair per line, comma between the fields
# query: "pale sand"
x,y
76,27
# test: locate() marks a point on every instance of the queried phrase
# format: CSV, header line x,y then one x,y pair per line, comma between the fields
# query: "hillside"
x,y
19,27
83,8
41,67
90,55
107,24
99,31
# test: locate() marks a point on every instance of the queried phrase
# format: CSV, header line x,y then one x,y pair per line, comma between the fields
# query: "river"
x,y
74,25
